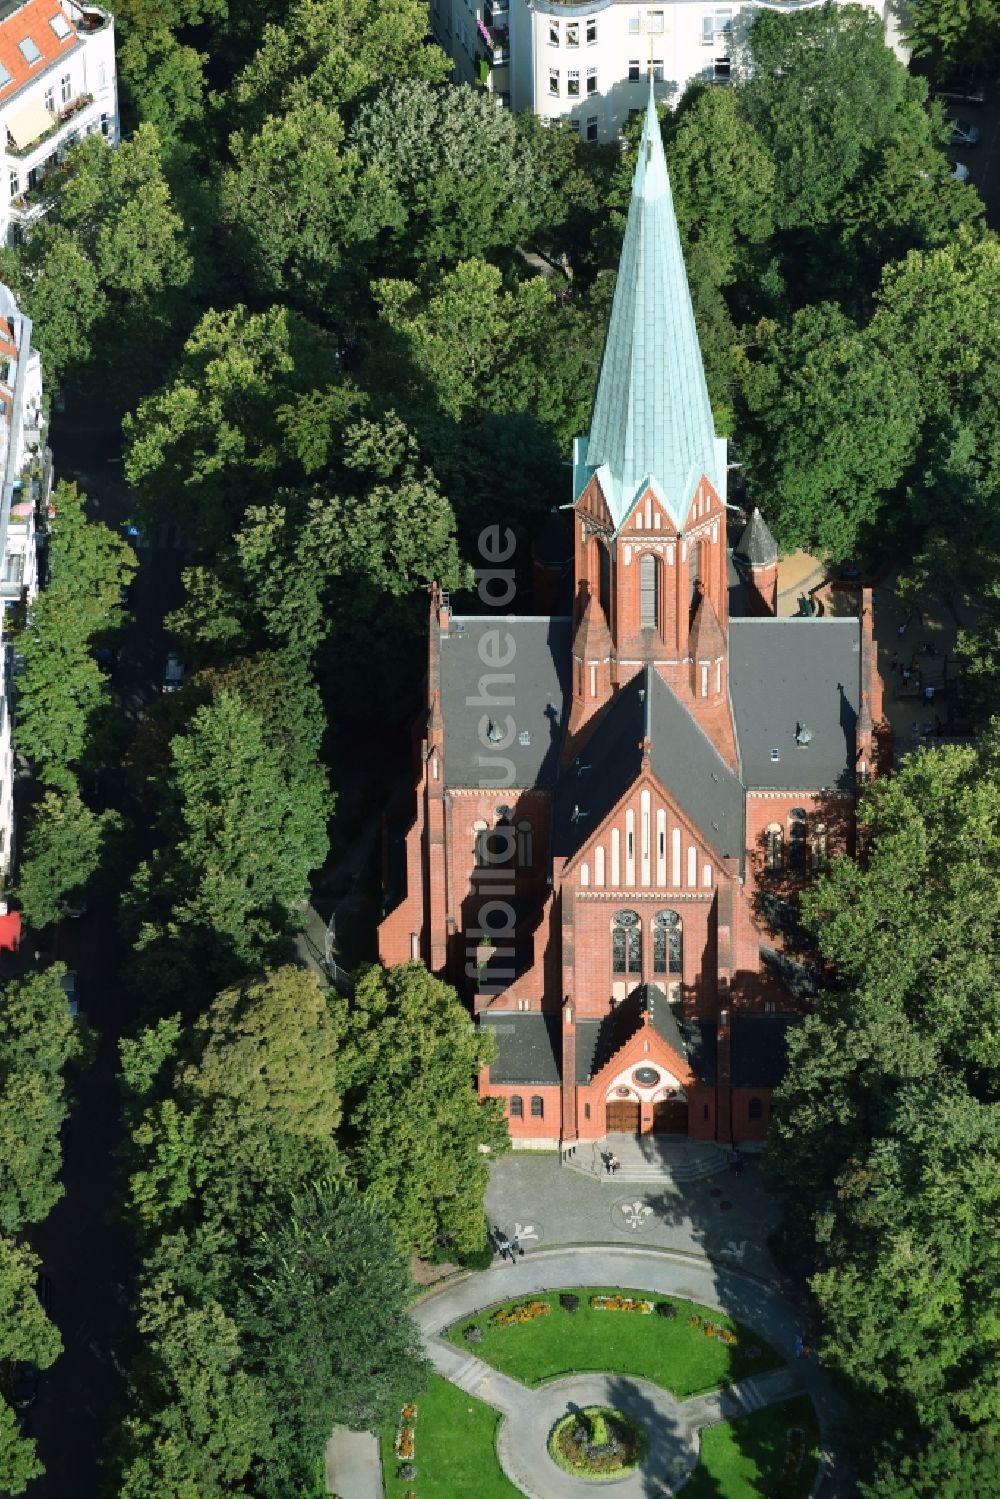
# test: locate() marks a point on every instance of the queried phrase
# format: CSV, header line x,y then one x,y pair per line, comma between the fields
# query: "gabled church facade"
x,y
614,808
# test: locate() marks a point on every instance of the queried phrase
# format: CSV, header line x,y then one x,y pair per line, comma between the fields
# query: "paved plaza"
x,y
703,1239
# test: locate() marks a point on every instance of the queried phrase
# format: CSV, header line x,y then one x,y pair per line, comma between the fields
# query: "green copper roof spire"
x,y
652,419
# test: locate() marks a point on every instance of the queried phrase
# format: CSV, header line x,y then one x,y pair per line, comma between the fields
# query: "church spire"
x,y
652,419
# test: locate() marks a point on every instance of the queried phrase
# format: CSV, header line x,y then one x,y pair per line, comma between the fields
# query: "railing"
x,y
66,113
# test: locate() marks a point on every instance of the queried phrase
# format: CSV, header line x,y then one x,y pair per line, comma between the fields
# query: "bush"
x,y
408,1472
473,1334
666,1309
569,1302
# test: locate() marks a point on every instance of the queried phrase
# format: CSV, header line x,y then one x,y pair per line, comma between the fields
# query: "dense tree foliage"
x,y
408,1036
64,846
26,1334
888,1122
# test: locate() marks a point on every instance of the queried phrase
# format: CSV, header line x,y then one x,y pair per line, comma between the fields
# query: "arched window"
x,y
797,840
537,1107
694,575
668,943
604,575
517,1107
626,944
524,842
818,845
649,592
773,840
479,835
756,1109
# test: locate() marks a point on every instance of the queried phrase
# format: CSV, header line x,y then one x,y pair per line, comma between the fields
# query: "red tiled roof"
x,y
31,20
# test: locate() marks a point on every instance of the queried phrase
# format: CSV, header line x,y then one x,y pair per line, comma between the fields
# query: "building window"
x,y
572,33
537,1107
634,26
15,184
65,87
553,33
106,129
553,80
60,26
797,841
704,1111
14,567
626,944
574,125
658,69
668,943
591,80
586,1111
50,99
723,70
654,20
29,50
524,842
102,76
694,576
517,1107
649,592
480,839
592,128
756,1109
635,70
773,838
818,845
573,84
604,556
592,32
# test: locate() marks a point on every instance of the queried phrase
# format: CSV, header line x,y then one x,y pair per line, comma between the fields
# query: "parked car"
x,y
959,171
68,982
23,1384
957,92
173,673
961,133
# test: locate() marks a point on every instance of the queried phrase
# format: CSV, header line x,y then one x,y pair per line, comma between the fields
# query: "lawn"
x,y
743,1459
668,1352
454,1449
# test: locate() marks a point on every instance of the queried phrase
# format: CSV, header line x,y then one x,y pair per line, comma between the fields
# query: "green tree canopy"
x,y
64,845
25,1334
327,1330
409,1037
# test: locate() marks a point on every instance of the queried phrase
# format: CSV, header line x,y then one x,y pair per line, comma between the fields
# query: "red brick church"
x,y
615,807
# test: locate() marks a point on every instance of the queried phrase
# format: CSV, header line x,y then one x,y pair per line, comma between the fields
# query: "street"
x,y
85,1249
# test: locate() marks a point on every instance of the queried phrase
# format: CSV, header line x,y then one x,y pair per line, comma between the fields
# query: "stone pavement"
x,y
531,1412
531,1194
353,1465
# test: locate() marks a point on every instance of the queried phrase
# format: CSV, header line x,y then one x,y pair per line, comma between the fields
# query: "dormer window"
x,y
29,50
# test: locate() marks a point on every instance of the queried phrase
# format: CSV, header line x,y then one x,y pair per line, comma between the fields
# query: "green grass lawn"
x,y
454,1449
741,1459
668,1352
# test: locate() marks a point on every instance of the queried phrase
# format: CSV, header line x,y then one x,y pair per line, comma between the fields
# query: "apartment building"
x,y
57,84
589,64
25,495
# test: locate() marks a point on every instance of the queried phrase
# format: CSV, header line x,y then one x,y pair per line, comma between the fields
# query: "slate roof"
x,y
539,688
530,1047
759,1054
756,547
787,674
597,1041
682,758
652,418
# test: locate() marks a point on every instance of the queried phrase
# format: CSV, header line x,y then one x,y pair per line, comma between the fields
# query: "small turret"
x,y
757,558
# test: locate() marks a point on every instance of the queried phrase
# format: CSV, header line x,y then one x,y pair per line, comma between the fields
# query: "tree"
x,y
38,1038
63,848
239,1112
204,1422
326,1327
413,1124
952,32
823,89
829,429
241,838
211,441
25,1334
61,690
466,176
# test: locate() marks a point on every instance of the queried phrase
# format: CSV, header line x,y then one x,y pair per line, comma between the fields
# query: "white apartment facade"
x,y
25,500
589,64
57,84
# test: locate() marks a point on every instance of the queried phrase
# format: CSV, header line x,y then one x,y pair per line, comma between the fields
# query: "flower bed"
x,y
621,1304
597,1442
405,1443
713,1330
522,1311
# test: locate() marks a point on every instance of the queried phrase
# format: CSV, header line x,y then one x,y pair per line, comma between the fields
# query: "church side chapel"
x,y
614,808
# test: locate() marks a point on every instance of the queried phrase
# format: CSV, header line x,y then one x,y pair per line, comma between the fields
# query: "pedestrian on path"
x,y
515,1247
799,1345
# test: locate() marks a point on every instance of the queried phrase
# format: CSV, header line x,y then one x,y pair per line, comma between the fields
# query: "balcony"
x,y
92,19
19,152
496,14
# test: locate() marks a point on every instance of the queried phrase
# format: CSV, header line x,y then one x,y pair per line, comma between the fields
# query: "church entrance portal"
x,y
670,1117
622,1118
